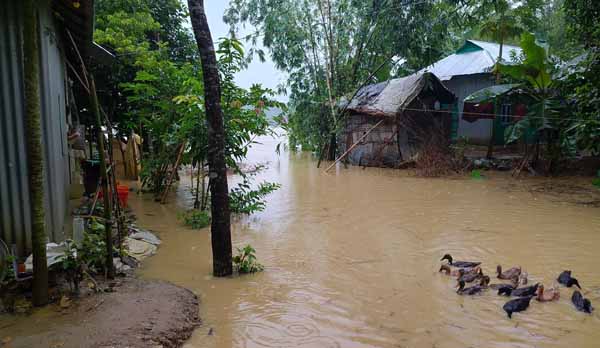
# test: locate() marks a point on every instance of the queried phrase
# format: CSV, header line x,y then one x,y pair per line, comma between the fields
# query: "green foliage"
x,y
582,18
596,182
502,24
7,273
245,261
196,219
545,116
476,174
92,251
245,200
72,265
582,84
328,48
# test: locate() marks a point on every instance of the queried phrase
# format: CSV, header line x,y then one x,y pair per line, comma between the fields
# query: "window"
x,y
506,114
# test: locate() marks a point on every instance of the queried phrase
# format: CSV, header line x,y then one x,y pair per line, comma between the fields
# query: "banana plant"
x,y
536,84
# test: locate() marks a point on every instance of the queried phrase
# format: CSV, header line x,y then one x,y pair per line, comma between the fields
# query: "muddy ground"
x,y
137,313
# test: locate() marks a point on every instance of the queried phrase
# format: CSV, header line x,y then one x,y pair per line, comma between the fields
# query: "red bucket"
x,y
122,193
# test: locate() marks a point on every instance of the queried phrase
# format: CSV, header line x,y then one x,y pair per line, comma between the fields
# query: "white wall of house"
x,y
462,86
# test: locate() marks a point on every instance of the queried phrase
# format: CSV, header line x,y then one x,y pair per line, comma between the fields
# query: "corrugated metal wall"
x,y
15,224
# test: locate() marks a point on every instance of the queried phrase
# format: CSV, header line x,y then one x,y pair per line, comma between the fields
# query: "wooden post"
x,y
354,145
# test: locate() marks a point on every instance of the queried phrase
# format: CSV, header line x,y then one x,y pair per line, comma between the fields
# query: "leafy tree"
x,y
329,48
583,82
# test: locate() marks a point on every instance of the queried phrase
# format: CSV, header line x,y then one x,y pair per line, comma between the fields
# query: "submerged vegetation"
x,y
245,261
195,219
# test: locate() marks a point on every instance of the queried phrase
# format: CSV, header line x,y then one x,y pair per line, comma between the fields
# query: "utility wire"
x,y
488,115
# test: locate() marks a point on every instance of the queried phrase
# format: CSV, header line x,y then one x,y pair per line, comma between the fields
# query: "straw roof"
x,y
390,97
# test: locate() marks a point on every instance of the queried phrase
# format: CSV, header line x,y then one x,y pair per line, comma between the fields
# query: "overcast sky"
x,y
257,72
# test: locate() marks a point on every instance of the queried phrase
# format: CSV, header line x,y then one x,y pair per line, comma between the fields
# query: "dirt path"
x,y
137,314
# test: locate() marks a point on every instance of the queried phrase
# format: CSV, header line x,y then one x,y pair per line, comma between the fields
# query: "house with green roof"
x,y
469,70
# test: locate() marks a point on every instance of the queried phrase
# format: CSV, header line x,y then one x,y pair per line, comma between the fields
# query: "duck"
x,y
449,271
513,285
509,273
565,279
581,304
519,292
471,290
523,278
470,276
517,305
543,295
485,281
459,264
454,272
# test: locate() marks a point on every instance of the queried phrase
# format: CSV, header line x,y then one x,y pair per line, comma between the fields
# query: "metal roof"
x,y
474,57
390,97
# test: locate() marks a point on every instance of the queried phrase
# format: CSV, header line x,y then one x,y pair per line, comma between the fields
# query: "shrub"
x,y
245,261
72,265
244,200
92,252
196,219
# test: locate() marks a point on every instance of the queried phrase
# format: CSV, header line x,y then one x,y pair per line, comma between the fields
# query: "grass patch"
x,y
476,174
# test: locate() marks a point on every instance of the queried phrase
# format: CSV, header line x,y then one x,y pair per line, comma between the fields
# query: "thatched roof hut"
x,y
411,108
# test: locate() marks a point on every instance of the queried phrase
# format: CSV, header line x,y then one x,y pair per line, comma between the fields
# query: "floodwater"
x,y
351,260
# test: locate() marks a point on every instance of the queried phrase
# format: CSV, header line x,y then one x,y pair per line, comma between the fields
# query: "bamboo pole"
x,y
354,145
163,199
110,269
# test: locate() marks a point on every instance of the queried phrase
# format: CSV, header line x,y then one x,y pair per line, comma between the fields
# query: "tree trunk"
x,y
110,269
219,192
332,147
35,163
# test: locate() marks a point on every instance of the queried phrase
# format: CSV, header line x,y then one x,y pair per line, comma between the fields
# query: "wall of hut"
x,y
398,138
378,149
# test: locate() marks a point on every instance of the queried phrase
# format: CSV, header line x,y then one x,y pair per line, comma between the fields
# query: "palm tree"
x,y
500,26
219,192
35,161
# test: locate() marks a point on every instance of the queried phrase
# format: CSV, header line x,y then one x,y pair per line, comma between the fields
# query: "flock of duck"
x,y
469,272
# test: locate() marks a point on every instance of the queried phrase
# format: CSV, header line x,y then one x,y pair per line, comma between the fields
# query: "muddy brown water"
x,y
352,256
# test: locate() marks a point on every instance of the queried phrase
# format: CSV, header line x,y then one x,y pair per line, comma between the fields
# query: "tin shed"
x,y
15,216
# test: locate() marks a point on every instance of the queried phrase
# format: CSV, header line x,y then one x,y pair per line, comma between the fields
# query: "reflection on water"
x,y
351,260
